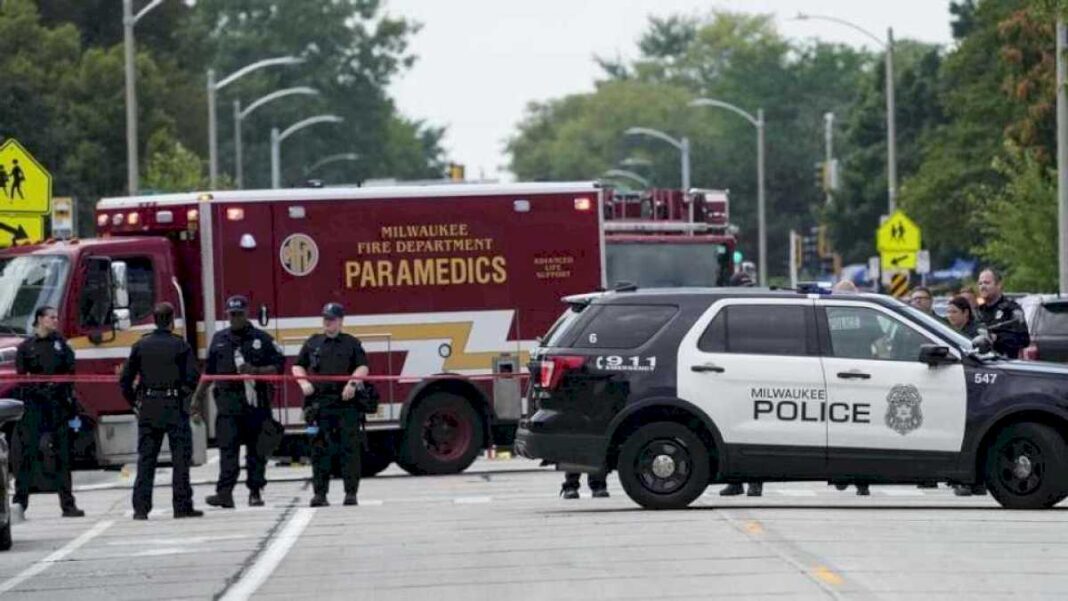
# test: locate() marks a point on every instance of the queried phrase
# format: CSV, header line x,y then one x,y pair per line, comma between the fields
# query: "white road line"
x,y
471,500
795,492
271,557
55,557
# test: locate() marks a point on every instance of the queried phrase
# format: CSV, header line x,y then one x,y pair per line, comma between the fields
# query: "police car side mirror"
x,y
933,354
10,410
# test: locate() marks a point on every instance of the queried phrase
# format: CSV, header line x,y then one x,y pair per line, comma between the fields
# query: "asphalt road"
x,y
501,532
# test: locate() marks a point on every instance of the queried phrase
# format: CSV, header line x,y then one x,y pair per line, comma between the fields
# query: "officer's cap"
x,y
333,311
237,304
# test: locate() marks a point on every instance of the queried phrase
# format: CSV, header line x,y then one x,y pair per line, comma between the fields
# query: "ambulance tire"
x,y
664,465
1027,467
444,435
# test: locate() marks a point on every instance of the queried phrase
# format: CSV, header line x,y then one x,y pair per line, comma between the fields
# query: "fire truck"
x,y
448,287
668,238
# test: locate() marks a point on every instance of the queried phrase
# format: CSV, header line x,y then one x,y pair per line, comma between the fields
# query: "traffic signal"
x,y
821,178
456,172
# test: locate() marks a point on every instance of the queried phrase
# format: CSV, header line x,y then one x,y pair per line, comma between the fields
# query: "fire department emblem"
x,y
903,413
299,254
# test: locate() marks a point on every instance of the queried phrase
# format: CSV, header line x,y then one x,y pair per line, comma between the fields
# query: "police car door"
x,y
888,412
752,366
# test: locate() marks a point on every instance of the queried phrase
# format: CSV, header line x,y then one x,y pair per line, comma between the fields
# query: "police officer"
x,y
243,407
331,406
598,484
157,380
1001,316
44,432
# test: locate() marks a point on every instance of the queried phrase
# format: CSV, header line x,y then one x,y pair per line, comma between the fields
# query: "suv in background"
x,y
1047,321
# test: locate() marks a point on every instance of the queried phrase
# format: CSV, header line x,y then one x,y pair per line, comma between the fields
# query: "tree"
x,y
171,166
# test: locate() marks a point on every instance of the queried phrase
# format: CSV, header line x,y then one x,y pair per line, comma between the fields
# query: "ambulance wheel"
x,y
1027,467
663,465
443,436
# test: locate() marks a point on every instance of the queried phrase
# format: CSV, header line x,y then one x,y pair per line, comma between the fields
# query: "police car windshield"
x,y
26,283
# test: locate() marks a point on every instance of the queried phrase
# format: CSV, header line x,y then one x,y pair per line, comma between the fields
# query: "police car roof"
x,y
690,294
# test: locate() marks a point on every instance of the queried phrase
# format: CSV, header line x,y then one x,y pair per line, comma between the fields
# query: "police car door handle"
x,y
707,367
854,375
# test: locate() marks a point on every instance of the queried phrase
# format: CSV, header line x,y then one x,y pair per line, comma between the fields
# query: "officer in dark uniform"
x,y
43,435
157,380
243,407
1002,317
331,406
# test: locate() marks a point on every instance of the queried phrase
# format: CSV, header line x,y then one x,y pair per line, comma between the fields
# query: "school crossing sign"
x,y
25,195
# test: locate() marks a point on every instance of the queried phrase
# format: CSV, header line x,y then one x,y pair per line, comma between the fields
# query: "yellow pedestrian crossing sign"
x,y
898,234
21,228
25,185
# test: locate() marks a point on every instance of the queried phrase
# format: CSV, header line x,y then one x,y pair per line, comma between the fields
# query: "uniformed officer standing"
x,y
45,427
331,406
1011,335
157,380
243,407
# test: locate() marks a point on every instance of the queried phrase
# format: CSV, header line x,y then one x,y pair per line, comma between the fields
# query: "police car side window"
x,y
862,333
766,329
624,326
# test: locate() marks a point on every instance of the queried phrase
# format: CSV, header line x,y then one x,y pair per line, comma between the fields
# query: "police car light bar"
x,y
814,287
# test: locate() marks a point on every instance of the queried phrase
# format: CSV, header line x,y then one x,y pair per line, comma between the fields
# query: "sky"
x,y
481,61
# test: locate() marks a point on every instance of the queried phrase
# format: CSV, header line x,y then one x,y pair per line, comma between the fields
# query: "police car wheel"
x,y
1027,467
443,436
663,465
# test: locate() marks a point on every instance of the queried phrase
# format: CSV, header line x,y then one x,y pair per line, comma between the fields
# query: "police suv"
x,y
676,389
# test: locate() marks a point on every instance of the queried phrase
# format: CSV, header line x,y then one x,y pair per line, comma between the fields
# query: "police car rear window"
x,y
624,326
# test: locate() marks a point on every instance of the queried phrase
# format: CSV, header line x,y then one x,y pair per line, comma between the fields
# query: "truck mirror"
x,y
264,317
121,319
120,285
96,303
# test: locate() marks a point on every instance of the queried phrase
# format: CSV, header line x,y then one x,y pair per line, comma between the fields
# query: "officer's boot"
x,y
254,499
222,499
319,501
599,493
72,511
862,490
350,499
732,490
569,492
756,489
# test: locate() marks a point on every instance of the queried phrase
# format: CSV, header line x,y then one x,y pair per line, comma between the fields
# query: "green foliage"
x,y
1019,222
171,166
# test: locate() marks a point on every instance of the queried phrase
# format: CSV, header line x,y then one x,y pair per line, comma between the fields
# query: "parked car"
x,y
10,410
1047,321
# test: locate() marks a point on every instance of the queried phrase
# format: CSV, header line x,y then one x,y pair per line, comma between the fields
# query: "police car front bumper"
x,y
570,451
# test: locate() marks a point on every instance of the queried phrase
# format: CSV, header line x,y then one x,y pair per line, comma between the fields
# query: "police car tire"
x,y
1052,463
686,446
415,459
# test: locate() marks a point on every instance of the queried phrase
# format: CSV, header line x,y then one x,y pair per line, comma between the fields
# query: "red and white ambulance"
x,y
448,287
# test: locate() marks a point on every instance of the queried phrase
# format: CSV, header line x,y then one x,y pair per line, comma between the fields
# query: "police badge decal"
x,y
903,413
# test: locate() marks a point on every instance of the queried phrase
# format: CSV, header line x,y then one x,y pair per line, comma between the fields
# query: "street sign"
x,y
21,228
898,234
898,260
63,218
899,285
25,186
923,262
873,269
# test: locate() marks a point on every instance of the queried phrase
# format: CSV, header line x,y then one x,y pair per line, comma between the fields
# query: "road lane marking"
x,y
754,527
471,500
265,565
56,556
827,575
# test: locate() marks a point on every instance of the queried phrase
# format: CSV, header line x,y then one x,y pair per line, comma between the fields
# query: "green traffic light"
x,y
737,256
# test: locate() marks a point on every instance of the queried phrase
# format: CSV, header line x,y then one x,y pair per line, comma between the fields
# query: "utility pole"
x,y
1062,152
830,175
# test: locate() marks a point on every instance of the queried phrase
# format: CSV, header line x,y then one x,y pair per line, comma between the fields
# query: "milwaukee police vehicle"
x,y
680,388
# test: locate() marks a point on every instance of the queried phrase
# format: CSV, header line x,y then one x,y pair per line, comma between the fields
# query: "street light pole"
x,y
1062,152
129,20
624,173
758,123
239,118
278,138
891,128
334,158
213,88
